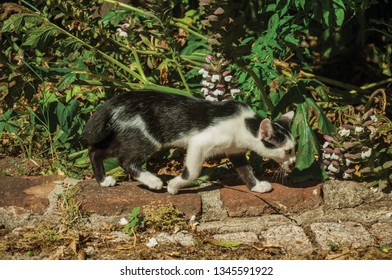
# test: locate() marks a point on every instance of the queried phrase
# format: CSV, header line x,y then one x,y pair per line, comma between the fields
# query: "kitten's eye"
x,y
288,152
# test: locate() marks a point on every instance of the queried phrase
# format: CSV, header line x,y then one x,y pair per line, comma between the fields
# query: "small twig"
x,y
134,237
383,102
376,84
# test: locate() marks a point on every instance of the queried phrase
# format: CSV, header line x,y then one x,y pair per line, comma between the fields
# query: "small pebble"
x,y
152,243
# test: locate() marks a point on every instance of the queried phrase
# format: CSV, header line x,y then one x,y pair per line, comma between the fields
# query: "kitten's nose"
x,y
292,160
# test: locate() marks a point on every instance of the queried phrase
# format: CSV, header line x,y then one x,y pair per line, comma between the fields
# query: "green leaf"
x,y
291,39
17,22
135,212
224,243
385,249
114,17
307,142
66,113
68,79
41,37
339,8
13,24
323,123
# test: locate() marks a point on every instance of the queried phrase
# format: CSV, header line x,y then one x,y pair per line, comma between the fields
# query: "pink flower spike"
x,y
351,156
226,73
208,58
329,138
327,150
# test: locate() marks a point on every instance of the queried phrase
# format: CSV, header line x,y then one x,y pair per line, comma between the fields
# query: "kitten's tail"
x,y
96,128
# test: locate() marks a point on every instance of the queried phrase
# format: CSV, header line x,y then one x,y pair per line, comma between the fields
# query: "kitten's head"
x,y
278,142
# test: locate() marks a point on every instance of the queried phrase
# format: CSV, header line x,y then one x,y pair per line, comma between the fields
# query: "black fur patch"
x,y
185,174
167,116
253,125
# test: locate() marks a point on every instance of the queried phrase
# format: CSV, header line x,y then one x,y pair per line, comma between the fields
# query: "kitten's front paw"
x,y
262,187
155,183
108,181
172,188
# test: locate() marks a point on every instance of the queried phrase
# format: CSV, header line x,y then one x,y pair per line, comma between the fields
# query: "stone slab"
x,y
124,197
27,194
341,235
213,209
245,224
244,237
239,201
382,232
349,194
291,237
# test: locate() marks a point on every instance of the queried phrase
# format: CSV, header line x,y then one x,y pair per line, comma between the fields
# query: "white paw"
x,y
108,181
172,187
154,183
262,187
150,180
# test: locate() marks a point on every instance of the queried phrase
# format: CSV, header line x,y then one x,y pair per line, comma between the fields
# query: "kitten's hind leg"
x,y
144,177
245,171
193,163
97,156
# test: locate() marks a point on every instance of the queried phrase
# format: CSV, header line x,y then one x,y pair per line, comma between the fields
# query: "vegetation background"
x,y
330,61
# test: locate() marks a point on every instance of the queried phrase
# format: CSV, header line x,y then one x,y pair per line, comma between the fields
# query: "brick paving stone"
x,y
291,237
382,232
240,201
244,237
27,194
245,224
122,198
347,234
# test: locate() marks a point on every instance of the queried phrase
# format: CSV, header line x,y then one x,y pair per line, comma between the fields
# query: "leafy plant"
x,y
362,148
61,59
163,217
70,207
135,221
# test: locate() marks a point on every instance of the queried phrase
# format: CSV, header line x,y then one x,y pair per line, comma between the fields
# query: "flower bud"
x,y
351,156
332,168
349,145
335,156
358,129
366,153
368,114
209,58
367,123
335,163
329,138
350,170
366,170
327,150
215,78
344,132
348,126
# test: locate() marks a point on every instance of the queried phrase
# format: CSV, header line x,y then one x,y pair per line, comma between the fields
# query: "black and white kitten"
x,y
132,126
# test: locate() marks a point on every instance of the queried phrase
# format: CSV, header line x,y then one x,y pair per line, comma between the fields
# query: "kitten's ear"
x,y
286,119
266,131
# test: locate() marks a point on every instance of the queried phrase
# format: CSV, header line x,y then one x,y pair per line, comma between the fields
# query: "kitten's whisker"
x,y
275,176
282,174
